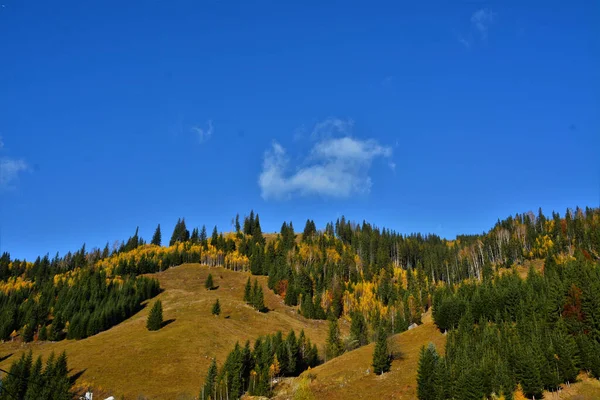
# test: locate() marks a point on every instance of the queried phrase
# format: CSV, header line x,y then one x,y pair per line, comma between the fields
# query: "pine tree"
x,y
358,329
155,317
36,381
382,360
157,237
237,223
209,389
334,345
215,236
426,372
248,292
216,309
259,299
209,284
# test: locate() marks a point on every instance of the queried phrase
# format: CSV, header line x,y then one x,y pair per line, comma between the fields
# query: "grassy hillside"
x,y
346,376
172,362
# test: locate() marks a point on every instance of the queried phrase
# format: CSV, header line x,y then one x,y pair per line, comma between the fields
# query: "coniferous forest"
x,y
506,332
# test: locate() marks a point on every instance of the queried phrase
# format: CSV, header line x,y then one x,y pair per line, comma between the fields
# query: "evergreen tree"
x,y
359,330
204,237
215,236
334,345
209,389
216,309
36,381
155,317
248,292
209,284
258,300
157,237
237,223
382,360
426,373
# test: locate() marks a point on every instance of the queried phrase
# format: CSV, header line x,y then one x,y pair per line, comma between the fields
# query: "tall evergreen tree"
x,y
426,373
209,389
359,330
157,237
155,317
382,360
248,292
334,345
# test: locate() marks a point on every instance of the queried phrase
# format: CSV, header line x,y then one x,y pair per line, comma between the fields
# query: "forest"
x,y
374,277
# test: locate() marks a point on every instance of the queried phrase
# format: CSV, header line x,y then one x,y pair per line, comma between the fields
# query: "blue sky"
x,y
418,116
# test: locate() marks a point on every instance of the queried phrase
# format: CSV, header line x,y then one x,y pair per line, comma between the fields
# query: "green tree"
x,y
157,237
334,345
216,309
209,389
426,372
382,360
209,284
155,317
359,330
248,292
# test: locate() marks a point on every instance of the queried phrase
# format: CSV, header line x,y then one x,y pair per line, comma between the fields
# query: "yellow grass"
x,y
346,377
171,363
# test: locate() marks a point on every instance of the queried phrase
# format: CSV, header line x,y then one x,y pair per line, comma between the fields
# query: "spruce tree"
x,y
334,345
216,309
209,284
259,300
359,330
382,360
155,317
209,389
426,372
248,292
157,237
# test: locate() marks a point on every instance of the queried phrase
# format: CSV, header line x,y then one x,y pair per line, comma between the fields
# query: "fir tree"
x,y
382,360
216,309
155,317
334,345
359,330
209,389
248,292
157,237
209,284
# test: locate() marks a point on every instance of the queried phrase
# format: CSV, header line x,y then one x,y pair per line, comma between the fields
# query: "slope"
x,y
130,361
351,376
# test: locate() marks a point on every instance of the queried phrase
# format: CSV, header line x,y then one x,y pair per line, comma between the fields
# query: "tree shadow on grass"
x,y
6,357
167,322
73,378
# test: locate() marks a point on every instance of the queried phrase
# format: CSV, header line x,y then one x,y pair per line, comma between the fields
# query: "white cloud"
x,y
10,170
203,134
1,143
464,42
335,167
330,126
481,20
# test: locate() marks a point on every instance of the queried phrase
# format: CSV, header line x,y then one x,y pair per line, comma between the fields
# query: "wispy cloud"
x,y
203,134
481,21
1,143
335,167
464,41
388,81
9,171
331,126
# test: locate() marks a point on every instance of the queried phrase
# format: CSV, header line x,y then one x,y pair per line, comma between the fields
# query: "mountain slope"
x,y
172,362
346,376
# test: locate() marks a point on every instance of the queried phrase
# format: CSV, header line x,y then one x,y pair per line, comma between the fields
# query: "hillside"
x,y
172,362
346,376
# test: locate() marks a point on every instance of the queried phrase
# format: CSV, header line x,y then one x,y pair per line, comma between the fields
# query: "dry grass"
x,y
171,363
346,377
129,361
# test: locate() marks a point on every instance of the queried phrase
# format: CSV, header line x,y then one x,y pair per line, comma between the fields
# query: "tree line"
x,y
253,369
508,334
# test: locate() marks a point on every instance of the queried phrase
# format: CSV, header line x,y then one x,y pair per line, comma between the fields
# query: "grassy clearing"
x,y
171,363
